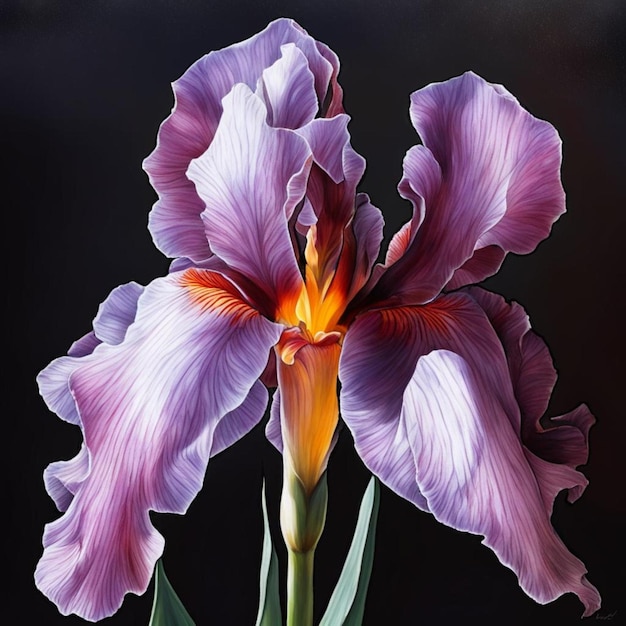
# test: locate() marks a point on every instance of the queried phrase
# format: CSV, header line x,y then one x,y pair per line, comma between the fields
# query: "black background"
x,y
85,86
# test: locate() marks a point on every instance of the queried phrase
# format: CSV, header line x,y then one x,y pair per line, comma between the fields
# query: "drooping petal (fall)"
x,y
115,314
563,439
478,478
151,410
175,221
248,203
427,392
486,181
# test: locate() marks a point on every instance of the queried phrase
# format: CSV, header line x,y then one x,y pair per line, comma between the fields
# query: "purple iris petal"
x,y
487,176
273,430
248,203
288,90
565,440
150,409
482,264
365,237
85,345
330,143
115,314
428,391
331,188
211,263
233,426
444,400
175,221
478,478
63,478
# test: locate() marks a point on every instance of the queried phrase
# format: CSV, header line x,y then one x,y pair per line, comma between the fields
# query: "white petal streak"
x,y
444,396
477,477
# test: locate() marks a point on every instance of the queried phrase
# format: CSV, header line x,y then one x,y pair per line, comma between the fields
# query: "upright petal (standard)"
x,y
249,205
486,181
175,221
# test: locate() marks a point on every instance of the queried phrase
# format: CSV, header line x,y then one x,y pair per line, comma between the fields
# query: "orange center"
x,y
322,301
308,365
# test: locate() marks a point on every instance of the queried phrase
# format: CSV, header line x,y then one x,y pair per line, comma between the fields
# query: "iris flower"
x,y
275,284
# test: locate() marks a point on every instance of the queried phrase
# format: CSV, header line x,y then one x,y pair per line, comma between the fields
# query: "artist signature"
x,y
607,616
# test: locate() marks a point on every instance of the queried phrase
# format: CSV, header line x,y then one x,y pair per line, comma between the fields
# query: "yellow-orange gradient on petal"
x,y
210,290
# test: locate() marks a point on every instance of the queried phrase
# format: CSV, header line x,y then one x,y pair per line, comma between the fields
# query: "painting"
x,y
87,87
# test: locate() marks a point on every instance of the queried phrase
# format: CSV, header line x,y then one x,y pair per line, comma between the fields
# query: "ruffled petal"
x,y
175,221
288,90
427,394
330,143
486,177
151,410
54,386
250,179
85,345
115,314
563,439
63,478
478,478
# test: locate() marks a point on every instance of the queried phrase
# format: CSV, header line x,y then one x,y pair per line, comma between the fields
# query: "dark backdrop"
x,y
85,86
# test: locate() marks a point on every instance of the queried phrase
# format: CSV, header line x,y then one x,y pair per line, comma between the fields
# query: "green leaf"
x,y
347,604
269,598
167,609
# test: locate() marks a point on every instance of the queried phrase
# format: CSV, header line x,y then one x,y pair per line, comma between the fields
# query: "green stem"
x,y
302,517
300,588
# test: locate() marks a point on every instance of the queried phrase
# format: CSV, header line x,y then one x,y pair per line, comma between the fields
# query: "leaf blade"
x,y
167,609
347,603
269,613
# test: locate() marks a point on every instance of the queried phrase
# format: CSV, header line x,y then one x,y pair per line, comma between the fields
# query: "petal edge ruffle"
x,y
499,187
428,396
175,221
150,409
